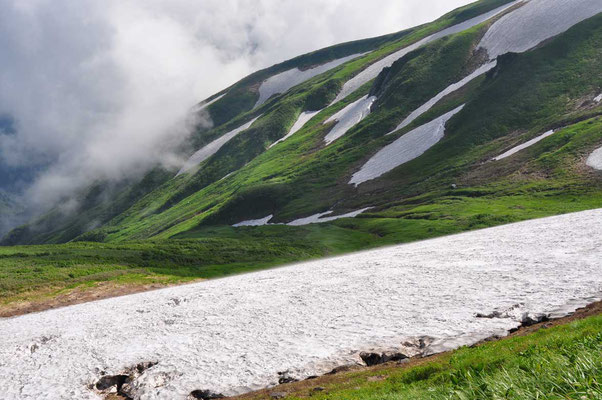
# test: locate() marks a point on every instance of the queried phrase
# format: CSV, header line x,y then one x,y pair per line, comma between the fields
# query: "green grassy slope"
x,y
301,176
177,229
229,112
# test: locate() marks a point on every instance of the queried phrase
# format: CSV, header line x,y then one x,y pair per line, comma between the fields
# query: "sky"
x,y
101,89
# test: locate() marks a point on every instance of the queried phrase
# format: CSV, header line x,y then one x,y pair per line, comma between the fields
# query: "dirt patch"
x,y
307,387
100,291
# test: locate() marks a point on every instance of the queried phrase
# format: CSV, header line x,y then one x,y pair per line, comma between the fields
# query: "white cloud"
x,y
100,88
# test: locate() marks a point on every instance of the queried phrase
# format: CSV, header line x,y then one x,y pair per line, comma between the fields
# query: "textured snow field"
x,y
233,335
348,117
374,69
595,159
520,147
285,80
536,21
408,147
213,147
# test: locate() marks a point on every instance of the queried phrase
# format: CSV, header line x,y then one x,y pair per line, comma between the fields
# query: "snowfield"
x,y
235,334
348,117
450,89
255,222
213,147
312,219
303,119
201,106
322,217
283,81
534,22
595,159
374,69
408,147
520,147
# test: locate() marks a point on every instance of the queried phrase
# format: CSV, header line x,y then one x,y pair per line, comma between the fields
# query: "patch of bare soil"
x,y
102,290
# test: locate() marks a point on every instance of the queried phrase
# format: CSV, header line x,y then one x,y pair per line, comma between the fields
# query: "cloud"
x,y
100,89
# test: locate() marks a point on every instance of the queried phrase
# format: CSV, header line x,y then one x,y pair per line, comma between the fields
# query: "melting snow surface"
x,y
202,106
254,222
534,22
348,117
408,147
595,159
213,147
303,119
313,219
285,80
321,217
374,69
232,335
520,147
450,89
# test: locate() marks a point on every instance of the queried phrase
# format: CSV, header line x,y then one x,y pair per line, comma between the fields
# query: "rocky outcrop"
x,y
205,395
121,384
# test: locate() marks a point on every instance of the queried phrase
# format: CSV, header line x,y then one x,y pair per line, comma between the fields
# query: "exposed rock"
x,y
123,384
528,319
107,382
491,315
285,377
371,359
205,395
342,368
278,395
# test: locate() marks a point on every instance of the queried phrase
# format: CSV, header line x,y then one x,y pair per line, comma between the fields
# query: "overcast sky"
x,y
99,88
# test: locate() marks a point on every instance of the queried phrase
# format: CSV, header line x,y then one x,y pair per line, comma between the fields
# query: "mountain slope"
x,y
420,75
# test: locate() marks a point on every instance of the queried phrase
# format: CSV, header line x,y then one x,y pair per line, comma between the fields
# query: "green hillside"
x,y
172,228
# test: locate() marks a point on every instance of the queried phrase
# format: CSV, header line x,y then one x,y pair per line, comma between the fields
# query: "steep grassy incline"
x,y
525,95
229,109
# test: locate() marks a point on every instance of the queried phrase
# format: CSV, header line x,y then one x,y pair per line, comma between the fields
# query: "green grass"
x,y
31,272
562,363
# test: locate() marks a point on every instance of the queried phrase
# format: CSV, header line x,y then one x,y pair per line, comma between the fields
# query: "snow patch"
x,y
320,218
534,22
408,147
520,147
235,334
213,147
348,117
304,118
283,81
450,89
204,105
374,69
254,222
598,98
595,159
